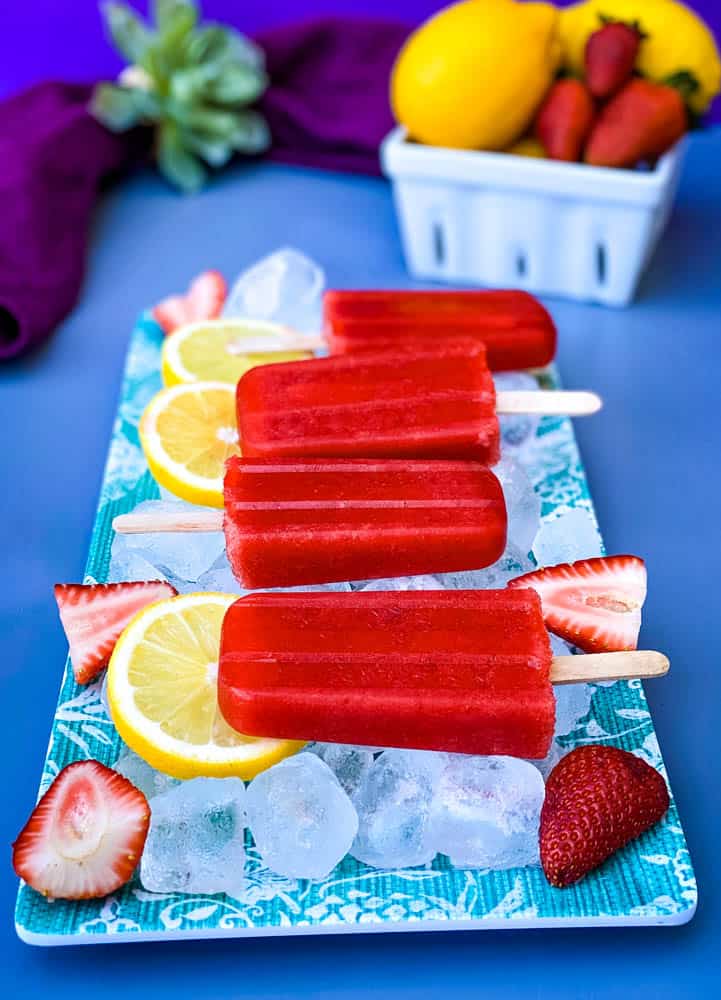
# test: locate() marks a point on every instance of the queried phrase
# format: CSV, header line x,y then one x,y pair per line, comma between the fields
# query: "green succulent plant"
x,y
192,81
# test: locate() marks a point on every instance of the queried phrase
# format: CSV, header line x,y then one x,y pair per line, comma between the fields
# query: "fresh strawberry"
x,y
93,617
565,119
203,300
597,799
610,57
86,834
640,123
593,603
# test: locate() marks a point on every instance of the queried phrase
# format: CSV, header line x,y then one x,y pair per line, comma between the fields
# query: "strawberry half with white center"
x,y
597,800
94,615
594,604
85,835
203,300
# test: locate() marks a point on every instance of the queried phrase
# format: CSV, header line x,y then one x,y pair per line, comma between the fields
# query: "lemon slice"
x,y
213,350
187,433
162,692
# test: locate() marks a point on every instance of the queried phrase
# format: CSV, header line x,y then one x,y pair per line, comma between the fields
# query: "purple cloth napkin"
x,y
53,158
327,106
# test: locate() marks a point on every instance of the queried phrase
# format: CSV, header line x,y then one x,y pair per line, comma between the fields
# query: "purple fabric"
x,y
327,106
53,158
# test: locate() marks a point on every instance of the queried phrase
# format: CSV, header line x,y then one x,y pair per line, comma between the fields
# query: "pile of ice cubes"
x,y
388,808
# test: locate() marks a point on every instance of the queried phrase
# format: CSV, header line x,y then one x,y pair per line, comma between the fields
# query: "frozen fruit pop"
x,y
513,326
464,671
304,521
435,403
467,671
295,521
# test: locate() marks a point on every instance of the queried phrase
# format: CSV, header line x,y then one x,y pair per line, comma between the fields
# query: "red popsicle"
x,y
514,327
436,402
463,671
304,521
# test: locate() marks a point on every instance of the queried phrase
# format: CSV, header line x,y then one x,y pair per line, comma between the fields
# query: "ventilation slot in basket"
x,y
438,244
601,264
521,264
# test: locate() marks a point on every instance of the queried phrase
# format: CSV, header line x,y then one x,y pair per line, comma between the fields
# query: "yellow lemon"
x,y
187,432
163,699
677,41
472,76
527,146
215,350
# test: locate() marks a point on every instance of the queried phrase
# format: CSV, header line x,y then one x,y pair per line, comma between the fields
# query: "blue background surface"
x,y
653,463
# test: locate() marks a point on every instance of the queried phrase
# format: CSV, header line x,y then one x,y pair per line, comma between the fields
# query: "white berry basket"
x,y
508,221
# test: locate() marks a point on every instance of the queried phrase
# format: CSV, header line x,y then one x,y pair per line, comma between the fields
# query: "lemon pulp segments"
x,y
162,692
187,433
213,350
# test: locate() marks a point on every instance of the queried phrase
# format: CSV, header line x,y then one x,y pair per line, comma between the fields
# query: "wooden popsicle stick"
x,y
592,667
571,403
283,340
191,520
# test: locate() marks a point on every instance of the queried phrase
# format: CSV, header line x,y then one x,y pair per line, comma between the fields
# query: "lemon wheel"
x,y
215,350
162,692
187,433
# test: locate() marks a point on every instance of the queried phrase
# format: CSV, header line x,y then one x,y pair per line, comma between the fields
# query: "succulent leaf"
x,y
130,35
115,107
252,134
239,84
178,165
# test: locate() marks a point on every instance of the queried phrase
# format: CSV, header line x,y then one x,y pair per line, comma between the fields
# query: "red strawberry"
x,y
93,617
610,57
565,119
593,603
203,300
85,835
597,799
641,122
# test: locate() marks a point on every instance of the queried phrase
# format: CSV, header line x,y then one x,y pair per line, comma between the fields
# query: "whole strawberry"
x,y
640,122
610,57
597,800
565,119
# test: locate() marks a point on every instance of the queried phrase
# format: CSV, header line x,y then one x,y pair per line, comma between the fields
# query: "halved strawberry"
x,y
593,603
94,615
598,799
86,834
203,300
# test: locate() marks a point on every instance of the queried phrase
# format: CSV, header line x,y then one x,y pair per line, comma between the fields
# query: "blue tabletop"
x,y
653,463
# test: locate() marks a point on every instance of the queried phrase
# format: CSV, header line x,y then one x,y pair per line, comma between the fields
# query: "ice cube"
x,y
523,504
348,763
512,563
286,287
301,819
220,578
399,583
128,564
394,804
516,430
180,556
572,704
195,841
571,536
142,775
487,810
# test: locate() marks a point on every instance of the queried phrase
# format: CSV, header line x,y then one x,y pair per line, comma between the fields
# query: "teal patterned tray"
x,y
650,882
